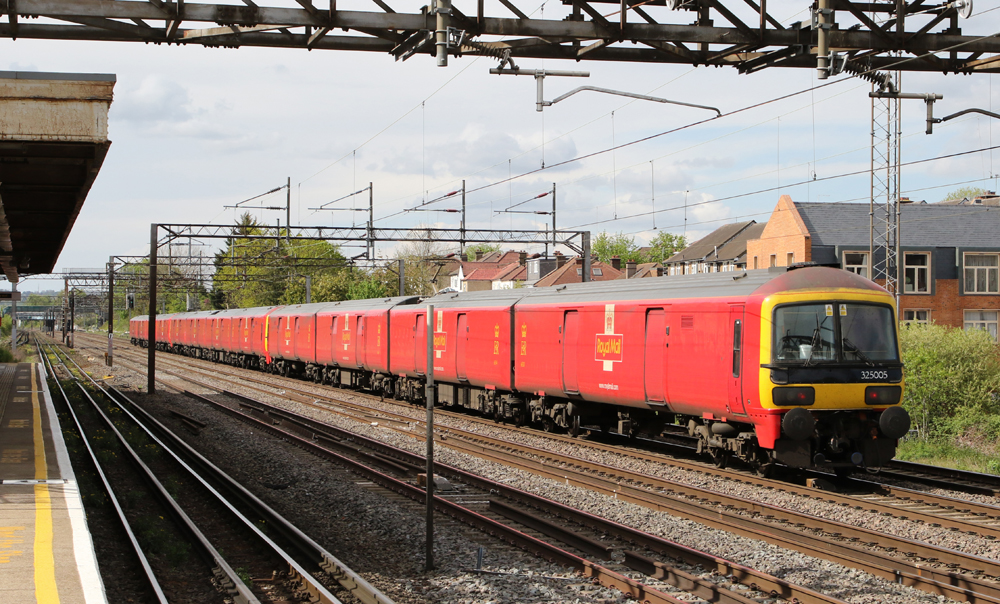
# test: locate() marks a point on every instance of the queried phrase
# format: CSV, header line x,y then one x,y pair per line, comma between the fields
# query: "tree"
x,y
422,262
664,245
366,289
481,248
964,193
271,271
605,246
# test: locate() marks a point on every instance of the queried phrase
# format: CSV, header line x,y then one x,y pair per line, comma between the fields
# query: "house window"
x,y
982,319
916,316
916,273
598,272
791,259
856,262
774,260
981,274
755,262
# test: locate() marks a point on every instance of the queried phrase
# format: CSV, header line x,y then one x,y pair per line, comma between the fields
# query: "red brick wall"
x,y
785,232
946,306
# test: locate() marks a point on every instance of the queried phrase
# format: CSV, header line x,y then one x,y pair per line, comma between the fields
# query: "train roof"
x,y
345,306
704,285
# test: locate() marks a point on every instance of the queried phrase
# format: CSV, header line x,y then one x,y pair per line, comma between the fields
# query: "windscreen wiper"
x,y
849,344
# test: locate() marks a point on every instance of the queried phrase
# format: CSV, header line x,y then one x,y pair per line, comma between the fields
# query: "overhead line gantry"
x,y
861,36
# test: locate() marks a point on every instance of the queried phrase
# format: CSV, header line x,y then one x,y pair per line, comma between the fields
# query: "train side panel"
x,y
472,346
699,359
407,335
375,336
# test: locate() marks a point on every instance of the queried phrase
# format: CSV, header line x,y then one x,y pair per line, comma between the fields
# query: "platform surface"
x,y
46,552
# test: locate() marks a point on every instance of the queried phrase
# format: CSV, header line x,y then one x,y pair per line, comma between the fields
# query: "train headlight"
x,y
793,397
882,395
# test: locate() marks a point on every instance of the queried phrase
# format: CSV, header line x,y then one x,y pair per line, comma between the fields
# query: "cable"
x,y
769,189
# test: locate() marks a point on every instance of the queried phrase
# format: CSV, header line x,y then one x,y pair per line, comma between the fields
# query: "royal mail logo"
x,y
440,341
609,347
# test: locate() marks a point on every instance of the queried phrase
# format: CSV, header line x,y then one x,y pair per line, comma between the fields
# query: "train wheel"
x,y
719,457
548,424
574,429
764,470
519,419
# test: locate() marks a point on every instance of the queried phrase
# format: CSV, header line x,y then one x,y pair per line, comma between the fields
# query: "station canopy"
x,y
53,140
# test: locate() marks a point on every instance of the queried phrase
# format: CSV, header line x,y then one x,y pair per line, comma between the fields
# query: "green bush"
x,y
952,380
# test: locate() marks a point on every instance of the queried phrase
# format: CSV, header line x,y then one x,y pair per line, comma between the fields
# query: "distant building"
x,y
722,250
494,260
572,272
635,270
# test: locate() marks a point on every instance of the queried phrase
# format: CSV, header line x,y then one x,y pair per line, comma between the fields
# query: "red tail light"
x,y
797,397
882,395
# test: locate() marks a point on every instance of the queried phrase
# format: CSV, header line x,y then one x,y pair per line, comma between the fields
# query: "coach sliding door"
x,y
571,356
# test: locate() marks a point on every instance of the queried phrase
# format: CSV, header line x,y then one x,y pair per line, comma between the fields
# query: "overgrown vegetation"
x,y
953,397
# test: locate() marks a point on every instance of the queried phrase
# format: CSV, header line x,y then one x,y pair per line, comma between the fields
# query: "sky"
x,y
196,129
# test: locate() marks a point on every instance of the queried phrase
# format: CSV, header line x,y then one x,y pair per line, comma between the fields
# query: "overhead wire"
x,y
771,189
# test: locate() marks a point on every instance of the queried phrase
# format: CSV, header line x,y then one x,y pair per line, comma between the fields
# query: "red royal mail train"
x,y
800,367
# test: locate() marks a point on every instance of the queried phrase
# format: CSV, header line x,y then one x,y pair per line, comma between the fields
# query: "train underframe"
x,y
840,441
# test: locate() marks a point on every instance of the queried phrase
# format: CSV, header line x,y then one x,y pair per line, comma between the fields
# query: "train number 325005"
x,y
875,375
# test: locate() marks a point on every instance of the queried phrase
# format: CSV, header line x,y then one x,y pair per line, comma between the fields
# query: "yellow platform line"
x,y
46,591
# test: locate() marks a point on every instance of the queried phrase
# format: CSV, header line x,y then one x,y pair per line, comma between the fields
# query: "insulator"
x,y
882,79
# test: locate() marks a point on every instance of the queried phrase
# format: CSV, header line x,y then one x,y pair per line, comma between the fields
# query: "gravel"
x,y
391,555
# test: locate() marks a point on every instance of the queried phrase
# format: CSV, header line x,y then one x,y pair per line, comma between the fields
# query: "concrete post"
x,y
13,320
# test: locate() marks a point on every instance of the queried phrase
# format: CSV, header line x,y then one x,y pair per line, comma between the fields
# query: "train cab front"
x,y
834,378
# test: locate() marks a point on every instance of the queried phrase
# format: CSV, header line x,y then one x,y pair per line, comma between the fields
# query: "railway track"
x,y
898,568
958,514
219,514
630,560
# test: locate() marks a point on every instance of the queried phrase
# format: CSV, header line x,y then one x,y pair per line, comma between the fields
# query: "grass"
x,y
945,452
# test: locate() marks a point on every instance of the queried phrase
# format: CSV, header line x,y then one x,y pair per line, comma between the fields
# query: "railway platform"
x,y
46,551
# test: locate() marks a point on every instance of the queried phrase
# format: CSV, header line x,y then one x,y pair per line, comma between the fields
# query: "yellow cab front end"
x,y
830,366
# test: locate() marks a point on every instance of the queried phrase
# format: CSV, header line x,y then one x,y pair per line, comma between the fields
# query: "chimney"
x,y
560,259
479,254
659,271
630,269
522,258
579,260
616,263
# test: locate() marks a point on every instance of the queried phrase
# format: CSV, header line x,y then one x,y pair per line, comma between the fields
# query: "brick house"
x,y
949,254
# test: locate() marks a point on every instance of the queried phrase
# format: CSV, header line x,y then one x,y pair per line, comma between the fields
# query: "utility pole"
x,y
111,311
429,394
288,210
402,276
371,222
461,242
586,256
151,330
308,289
65,305
72,318
553,218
